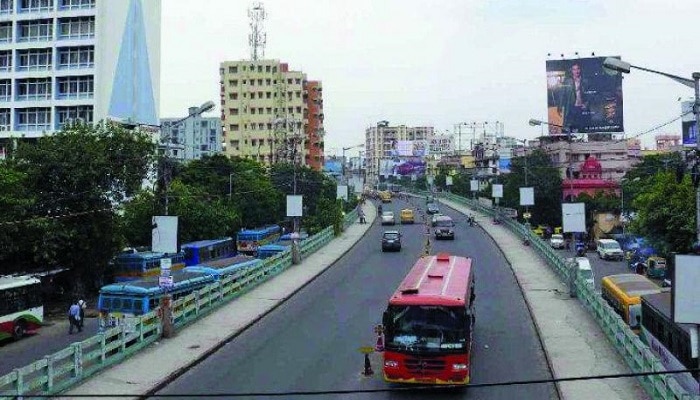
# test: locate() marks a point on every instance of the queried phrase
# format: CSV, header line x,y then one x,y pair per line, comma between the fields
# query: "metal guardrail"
x,y
636,354
60,371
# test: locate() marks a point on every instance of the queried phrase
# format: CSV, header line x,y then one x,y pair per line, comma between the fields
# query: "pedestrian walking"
x,y
81,321
74,318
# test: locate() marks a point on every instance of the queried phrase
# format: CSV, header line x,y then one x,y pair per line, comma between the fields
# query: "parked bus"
x,y
21,307
205,250
623,293
670,342
248,240
225,266
429,322
285,243
138,297
138,265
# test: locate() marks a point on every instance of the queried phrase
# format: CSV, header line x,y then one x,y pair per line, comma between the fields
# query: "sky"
x,y
435,63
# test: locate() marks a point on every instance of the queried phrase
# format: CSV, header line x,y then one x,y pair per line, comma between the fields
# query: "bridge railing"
x,y
62,370
636,354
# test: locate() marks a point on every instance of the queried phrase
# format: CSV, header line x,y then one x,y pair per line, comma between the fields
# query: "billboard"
x,y
574,217
402,166
410,148
333,166
164,234
690,127
583,96
443,144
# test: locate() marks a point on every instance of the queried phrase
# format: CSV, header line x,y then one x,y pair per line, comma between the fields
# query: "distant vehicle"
x,y
432,208
584,269
656,267
609,249
434,218
21,307
557,241
407,216
248,240
205,250
623,293
539,230
130,266
429,322
669,341
444,228
391,240
388,218
385,196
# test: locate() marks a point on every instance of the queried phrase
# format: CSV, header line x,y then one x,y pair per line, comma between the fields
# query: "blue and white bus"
x,y
131,266
204,250
248,240
226,266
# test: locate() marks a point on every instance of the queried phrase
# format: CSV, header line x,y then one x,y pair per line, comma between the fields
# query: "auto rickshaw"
x,y
656,267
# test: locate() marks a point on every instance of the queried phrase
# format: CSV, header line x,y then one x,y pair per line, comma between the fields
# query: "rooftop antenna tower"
x,y
257,37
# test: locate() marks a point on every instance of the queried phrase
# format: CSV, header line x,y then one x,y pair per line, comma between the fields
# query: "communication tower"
x,y
257,37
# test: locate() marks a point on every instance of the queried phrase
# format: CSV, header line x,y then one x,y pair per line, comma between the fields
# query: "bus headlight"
x,y
459,367
391,364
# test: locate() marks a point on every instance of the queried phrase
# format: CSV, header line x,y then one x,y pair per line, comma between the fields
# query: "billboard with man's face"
x,y
402,166
583,97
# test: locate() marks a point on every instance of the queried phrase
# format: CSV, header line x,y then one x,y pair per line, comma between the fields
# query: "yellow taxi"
x,y
407,216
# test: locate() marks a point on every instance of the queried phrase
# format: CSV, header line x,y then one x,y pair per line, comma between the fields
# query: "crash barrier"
x,y
635,353
62,370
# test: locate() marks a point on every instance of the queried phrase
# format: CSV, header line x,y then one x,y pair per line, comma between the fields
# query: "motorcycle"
x,y
580,249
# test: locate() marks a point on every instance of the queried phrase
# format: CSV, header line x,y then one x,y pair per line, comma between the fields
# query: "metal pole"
x,y
696,110
343,169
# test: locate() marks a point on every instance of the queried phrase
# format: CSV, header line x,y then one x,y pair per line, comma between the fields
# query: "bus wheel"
x,y
18,330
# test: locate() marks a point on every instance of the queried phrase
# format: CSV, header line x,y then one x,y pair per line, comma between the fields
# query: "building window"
x,y
75,4
34,59
260,68
274,70
33,119
252,110
233,96
234,127
35,5
261,126
75,87
34,89
76,57
6,60
76,28
5,119
35,30
5,90
70,115
233,70
260,82
6,32
233,111
6,6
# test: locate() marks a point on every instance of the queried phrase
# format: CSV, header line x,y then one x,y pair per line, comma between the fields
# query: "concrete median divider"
x,y
62,370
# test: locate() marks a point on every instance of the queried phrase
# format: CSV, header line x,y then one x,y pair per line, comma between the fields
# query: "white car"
x,y
388,218
609,249
557,241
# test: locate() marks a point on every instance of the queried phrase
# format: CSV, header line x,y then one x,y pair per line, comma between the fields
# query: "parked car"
x,y
432,208
444,228
609,249
557,241
407,216
391,240
388,218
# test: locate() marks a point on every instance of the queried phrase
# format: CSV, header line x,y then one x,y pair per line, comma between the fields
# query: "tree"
x,y
665,215
77,177
546,181
641,177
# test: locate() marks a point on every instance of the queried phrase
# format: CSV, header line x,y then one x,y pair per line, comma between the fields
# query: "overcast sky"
x,y
435,62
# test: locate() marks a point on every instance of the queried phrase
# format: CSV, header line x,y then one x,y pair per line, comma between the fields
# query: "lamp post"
x,y
615,64
344,150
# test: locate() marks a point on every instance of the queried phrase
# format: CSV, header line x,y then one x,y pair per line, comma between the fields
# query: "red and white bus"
x,y
429,322
21,308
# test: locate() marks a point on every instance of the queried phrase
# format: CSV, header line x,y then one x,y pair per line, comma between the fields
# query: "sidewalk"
x,y
167,358
573,342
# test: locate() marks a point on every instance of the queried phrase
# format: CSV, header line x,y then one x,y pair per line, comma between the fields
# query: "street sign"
x,y
165,281
165,265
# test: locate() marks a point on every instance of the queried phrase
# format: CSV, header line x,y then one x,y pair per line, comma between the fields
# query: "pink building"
x,y
589,181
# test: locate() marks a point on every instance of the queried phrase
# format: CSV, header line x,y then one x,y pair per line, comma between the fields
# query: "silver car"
x,y
557,241
388,218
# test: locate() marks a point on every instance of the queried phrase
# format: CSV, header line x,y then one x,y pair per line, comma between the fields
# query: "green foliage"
x,y
136,220
665,216
600,202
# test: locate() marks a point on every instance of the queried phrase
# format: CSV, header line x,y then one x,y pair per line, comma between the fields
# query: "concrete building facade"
x,y
613,157
266,115
380,139
77,60
192,138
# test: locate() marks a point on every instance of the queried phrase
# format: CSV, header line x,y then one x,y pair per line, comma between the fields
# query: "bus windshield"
x,y
427,328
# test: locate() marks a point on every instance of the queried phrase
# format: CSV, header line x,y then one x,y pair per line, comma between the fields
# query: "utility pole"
x,y
696,110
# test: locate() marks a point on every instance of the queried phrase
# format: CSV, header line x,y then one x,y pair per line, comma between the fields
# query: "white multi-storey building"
x,y
68,60
193,138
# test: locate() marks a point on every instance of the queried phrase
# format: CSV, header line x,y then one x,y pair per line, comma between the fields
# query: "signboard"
x,y
527,196
164,234
166,281
504,165
165,266
448,181
333,166
411,148
294,206
474,185
402,166
342,192
497,191
443,144
574,217
685,302
583,96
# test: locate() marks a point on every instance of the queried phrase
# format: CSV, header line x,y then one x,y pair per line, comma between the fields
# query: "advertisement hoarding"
x,y
690,128
333,166
294,206
402,166
527,196
497,191
583,96
411,148
443,144
686,278
164,234
574,217
474,185
342,192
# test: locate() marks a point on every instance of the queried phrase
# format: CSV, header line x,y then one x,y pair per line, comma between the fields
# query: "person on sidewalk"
x,y
81,321
361,214
74,317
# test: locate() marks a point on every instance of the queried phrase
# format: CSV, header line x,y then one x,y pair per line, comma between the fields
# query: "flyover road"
x,y
47,340
310,342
